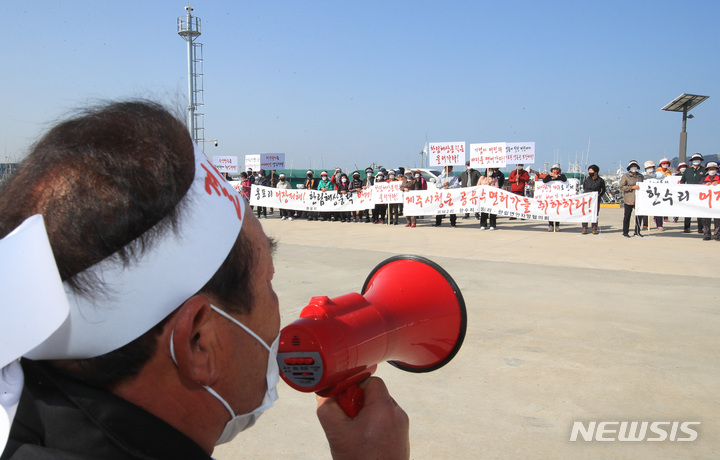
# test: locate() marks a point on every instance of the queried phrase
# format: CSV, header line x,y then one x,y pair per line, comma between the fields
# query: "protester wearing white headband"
x,y
169,347
26,266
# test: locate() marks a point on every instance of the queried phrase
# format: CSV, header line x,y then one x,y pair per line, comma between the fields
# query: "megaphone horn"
x,y
411,312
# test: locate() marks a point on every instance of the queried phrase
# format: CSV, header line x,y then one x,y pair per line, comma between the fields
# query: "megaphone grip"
x,y
351,400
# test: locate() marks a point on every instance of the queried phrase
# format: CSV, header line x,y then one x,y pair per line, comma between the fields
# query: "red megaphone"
x,y
410,312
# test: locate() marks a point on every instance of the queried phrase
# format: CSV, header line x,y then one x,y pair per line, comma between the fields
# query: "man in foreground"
x,y
170,346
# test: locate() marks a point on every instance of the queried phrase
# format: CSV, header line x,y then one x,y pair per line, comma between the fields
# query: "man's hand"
x,y
380,430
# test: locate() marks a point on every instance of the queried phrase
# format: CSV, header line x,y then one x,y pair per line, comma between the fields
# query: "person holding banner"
x,y
393,208
380,209
711,179
518,179
652,175
284,184
356,185
325,186
494,178
693,175
682,167
413,181
445,181
311,184
593,183
628,185
342,186
469,178
263,181
555,174
368,182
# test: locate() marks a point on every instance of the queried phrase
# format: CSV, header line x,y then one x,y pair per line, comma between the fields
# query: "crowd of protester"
x,y
519,178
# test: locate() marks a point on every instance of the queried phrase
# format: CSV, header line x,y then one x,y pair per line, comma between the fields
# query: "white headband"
x,y
33,306
138,296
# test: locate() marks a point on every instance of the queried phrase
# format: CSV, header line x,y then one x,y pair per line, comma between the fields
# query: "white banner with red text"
x,y
484,198
677,200
310,200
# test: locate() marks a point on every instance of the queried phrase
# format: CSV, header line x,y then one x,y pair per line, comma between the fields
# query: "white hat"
x,y
649,164
556,166
140,293
34,307
711,164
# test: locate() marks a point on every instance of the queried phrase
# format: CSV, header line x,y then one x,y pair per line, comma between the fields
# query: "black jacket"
x,y
62,419
594,185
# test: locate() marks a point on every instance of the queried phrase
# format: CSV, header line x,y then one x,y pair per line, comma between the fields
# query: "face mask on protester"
x,y
650,170
282,179
239,423
417,176
682,170
323,177
634,169
712,172
343,180
696,162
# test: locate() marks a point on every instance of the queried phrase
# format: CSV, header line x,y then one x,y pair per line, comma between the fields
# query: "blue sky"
x,y
347,83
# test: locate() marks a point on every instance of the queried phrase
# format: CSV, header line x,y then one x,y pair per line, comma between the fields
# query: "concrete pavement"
x,y
562,327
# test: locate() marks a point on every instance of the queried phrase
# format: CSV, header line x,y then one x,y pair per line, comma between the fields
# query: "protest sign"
x,y
386,192
226,164
554,189
677,200
446,153
489,155
520,153
252,162
484,198
272,161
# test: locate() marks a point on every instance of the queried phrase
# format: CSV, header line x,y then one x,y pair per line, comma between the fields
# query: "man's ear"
x,y
195,341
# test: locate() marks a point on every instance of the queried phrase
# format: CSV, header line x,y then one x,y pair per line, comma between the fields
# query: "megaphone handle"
x,y
351,400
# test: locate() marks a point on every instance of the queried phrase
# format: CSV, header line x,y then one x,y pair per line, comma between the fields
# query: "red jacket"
x,y
711,180
518,186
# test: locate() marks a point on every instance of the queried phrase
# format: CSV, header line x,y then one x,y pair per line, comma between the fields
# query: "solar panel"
x,y
680,102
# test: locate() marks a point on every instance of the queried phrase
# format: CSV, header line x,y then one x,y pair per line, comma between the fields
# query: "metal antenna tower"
x,y
189,29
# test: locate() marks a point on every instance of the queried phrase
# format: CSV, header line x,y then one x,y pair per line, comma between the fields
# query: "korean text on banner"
x,y
555,189
483,198
272,161
489,155
386,192
520,153
446,153
309,200
226,164
677,200
252,162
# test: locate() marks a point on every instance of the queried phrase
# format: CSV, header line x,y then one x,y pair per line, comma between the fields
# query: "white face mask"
x,y
650,170
633,169
344,180
696,162
682,170
242,422
712,172
417,176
